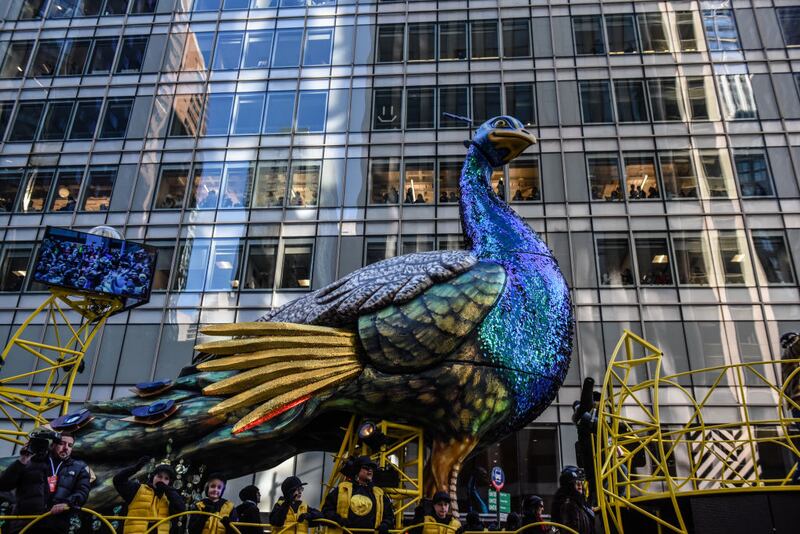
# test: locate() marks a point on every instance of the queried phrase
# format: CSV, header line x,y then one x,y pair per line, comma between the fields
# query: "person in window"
x,y
534,194
632,194
394,196
452,197
70,205
291,510
569,504
420,199
248,511
213,503
652,192
501,189
409,196
231,200
790,345
443,197
156,498
517,196
438,520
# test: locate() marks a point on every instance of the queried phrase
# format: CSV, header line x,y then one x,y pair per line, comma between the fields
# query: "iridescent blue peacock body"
x,y
471,345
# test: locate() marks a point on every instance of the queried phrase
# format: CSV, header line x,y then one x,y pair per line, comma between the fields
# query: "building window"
x,y
752,172
10,181
247,110
652,259
45,61
420,108
207,5
74,8
312,107
32,9
733,255
193,259
280,110
715,168
621,34
523,180
257,49
166,251
304,183
665,100
452,40
640,176
588,32
115,121
693,259
99,186
614,261
66,190
238,180
223,269
390,43
449,176
87,114
720,28
186,115
789,18
27,121
521,102
652,32
76,53
56,121
677,173
270,188
516,38
630,100
774,265
484,39
318,47
388,109
5,117
102,58
485,103
14,260
141,7
604,179
418,178
416,243
384,181
228,50
296,267
262,258
422,41
233,5
379,248
16,59
595,102
116,7
172,187
37,189
217,114
698,104
736,96
206,182
131,56
197,52
684,21
287,48
453,100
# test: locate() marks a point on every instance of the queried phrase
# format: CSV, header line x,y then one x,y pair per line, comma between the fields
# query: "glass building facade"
x,y
268,147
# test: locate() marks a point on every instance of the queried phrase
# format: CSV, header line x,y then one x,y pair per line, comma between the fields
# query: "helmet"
x,y
291,484
164,468
366,461
787,339
571,474
531,502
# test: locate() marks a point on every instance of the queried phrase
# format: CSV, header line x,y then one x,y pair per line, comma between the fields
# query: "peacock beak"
x,y
511,142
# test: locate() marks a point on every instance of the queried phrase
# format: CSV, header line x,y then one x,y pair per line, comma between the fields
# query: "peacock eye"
x,y
500,124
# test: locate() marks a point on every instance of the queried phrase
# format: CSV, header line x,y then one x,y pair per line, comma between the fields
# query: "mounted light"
x,y
737,258
304,282
660,258
371,435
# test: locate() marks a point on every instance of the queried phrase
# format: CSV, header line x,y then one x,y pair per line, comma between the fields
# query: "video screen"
x,y
96,264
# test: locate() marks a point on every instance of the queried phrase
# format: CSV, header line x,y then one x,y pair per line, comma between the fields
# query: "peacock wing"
x,y
393,281
426,329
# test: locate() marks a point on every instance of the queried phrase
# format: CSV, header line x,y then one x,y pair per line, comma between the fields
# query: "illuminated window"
x,y
384,181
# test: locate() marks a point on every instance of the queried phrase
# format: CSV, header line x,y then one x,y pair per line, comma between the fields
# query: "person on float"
x,y
437,520
290,510
248,511
156,498
474,523
570,507
532,510
513,522
359,503
213,503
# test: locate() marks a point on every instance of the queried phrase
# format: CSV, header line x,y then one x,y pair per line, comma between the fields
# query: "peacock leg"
x,y
441,471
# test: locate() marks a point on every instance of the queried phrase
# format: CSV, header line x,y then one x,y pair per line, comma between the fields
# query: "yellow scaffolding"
x,y
28,396
657,442
402,452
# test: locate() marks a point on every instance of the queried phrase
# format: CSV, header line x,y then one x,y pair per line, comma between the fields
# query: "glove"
x,y
302,517
142,462
383,528
160,488
226,520
74,501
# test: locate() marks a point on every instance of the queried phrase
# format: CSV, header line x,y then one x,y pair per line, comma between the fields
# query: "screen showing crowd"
x,y
87,262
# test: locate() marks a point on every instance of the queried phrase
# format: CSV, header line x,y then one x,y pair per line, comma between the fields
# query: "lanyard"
x,y
53,468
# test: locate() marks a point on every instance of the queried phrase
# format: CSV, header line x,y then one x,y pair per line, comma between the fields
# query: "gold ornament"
x,y
360,505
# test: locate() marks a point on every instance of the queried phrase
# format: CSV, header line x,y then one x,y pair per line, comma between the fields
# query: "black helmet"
x,y
291,484
250,493
531,502
571,474
365,461
164,468
441,496
787,339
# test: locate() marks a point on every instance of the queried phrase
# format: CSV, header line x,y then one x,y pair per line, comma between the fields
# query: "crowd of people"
x,y
51,480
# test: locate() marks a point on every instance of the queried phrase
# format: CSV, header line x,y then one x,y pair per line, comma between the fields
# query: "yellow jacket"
x,y
146,504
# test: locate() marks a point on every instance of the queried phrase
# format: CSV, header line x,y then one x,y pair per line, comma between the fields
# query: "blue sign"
x,y
498,478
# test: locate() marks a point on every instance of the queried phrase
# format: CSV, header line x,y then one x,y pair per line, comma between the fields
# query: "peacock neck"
x,y
492,229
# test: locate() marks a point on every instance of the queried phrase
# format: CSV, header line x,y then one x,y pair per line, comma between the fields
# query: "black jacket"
x,y
198,522
248,512
354,521
570,509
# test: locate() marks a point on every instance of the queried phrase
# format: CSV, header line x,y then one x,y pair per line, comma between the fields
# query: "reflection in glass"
x,y
716,171
223,270
16,59
380,248
652,259
26,121
388,109
206,5
204,193
664,99
420,108
67,187
280,110
197,51
418,243
100,184
304,183
774,264
193,258
720,29
453,100
516,38
131,57
691,257
698,104
614,261
228,50
652,32
166,251
631,104
621,34
452,40
684,21
418,180
10,181
186,115
677,173
484,39
736,96
287,48
523,180
595,102
238,177
733,255
390,43
37,187
753,174
640,176
172,187
76,52
789,17
270,187
421,41
604,178
14,266
449,175
257,49
115,121
296,269
588,35
247,111
56,121
318,47
87,114
311,109
520,102
102,58
46,58
450,242
32,9
262,258
384,181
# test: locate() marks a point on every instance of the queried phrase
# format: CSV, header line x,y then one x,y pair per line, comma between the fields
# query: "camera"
x,y
39,441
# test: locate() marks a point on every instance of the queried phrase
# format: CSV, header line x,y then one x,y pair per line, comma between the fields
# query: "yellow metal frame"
x,y
404,453
22,401
689,449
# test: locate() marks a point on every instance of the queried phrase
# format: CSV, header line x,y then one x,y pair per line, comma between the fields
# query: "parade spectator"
x,y
156,498
532,510
291,510
359,504
790,345
248,511
438,519
213,503
473,523
513,522
569,505
47,480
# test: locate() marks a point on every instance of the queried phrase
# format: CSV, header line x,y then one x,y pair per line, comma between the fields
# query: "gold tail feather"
x,y
281,400
289,385
262,375
268,328
236,346
266,357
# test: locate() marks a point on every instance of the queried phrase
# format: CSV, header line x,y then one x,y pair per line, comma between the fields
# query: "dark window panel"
x,y
228,51
630,99
66,189
516,38
217,114
296,269
453,100
131,55
76,52
287,48
521,102
686,30
485,102
621,34
10,181
140,7
5,116
789,18
247,111
206,183
186,115
304,183
27,121
102,59
270,188
604,178
449,175
420,107
614,261
238,184
14,259
720,28
87,114
37,189
652,259
318,47
652,32
280,111
257,48
116,7
736,96
16,59
99,186
753,174
698,103
384,181
74,8
115,121
172,187
452,40
32,9
379,248
665,99
45,61
390,43
678,175
774,264
262,258
596,102
692,259
422,41
485,43
56,121
588,32
388,109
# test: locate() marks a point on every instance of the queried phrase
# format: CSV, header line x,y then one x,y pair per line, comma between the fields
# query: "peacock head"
x,y
502,139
